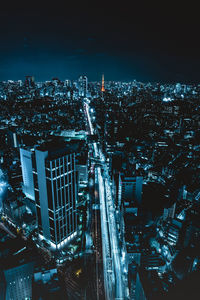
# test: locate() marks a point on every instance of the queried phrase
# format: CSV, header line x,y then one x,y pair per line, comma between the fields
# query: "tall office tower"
x,y
55,187
12,139
129,190
67,82
29,81
102,84
83,86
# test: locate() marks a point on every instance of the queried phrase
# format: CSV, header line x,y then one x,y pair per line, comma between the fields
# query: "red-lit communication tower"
x,y
102,84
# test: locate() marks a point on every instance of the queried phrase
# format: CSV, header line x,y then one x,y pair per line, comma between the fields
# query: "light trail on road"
x,y
113,281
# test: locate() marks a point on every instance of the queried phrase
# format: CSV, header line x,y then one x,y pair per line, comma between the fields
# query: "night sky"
x,y
125,40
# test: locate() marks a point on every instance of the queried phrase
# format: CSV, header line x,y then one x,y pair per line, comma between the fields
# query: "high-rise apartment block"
x,y
54,187
83,86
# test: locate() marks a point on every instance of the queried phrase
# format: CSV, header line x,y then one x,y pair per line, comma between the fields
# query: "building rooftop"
x,y
58,147
17,254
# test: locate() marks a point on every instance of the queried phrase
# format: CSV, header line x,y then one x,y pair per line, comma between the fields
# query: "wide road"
x,y
113,275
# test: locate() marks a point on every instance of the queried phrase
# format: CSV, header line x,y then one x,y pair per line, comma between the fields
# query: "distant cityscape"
x,y
99,190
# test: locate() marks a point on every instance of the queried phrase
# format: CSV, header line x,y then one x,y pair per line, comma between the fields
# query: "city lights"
x,y
99,181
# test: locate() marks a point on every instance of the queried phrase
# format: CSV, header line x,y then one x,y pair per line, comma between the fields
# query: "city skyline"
x,y
99,150
99,190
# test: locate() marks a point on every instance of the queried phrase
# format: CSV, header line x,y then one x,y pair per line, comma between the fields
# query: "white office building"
x,y
53,172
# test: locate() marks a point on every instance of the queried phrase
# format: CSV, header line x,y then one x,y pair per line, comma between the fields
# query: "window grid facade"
x,y
62,197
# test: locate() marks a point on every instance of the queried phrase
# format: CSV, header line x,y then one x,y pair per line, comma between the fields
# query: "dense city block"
x,y
99,190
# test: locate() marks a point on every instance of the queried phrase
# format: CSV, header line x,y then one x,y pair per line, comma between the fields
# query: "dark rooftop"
x,y
58,147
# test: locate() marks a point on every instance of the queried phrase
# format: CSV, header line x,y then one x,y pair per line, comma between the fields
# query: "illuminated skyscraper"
x,y
55,191
83,86
26,157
